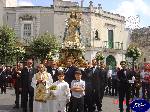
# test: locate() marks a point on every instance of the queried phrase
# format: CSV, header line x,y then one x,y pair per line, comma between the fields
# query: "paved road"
x,y
7,102
110,104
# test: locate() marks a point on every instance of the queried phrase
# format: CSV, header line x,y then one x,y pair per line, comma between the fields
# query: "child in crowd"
x,y
78,92
62,93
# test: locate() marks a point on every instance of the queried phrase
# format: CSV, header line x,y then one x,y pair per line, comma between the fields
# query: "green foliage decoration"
x,y
43,45
19,51
7,44
99,56
53,87
133,52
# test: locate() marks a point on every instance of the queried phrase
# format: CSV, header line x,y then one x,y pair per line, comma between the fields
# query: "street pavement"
x,y
110,104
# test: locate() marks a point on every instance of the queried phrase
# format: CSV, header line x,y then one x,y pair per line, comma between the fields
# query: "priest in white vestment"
x,y
41,82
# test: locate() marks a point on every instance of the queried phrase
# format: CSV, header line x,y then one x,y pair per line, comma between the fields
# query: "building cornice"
x,y
27,17
68,9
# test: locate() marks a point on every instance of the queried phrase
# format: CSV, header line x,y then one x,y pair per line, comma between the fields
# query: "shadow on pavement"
x,y
8,108
5,107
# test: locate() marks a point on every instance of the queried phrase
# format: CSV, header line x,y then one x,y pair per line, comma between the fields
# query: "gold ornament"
x,y
73,26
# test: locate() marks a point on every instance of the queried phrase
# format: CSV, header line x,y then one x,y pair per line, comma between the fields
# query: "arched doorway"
x,y
111,62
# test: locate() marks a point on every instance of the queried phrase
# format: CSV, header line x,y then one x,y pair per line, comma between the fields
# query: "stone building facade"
x,y
3,4
142,38
100,30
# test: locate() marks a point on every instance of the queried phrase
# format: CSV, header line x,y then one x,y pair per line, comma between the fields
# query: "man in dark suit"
x,y
16,75
103,80
99,82
27,74
88,98
53,70
69,76
124,76
70,71
48,65
3,80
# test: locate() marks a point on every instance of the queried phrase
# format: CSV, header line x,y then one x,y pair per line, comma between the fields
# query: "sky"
x,y
134,10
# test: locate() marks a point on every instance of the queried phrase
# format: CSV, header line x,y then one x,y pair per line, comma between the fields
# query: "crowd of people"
x,y
78,89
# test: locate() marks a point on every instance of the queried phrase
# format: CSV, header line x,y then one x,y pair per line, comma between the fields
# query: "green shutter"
x,y
110,39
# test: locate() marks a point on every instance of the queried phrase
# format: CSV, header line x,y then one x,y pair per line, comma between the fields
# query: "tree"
x,y
43,45
133,52
7,43
19,52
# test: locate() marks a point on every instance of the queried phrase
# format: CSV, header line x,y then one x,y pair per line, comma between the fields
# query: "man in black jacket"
x,y
88,98
99,80
26,78
3,80
16,75
124,76
69,76
70,71
53,70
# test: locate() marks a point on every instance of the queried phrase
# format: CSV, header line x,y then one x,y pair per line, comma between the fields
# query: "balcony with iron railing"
x,y
113,45
105,45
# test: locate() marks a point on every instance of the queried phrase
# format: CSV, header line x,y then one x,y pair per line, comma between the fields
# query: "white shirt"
x,y
94,68
63,91
81,84
125,72
143,74
132,81
109,74
29,69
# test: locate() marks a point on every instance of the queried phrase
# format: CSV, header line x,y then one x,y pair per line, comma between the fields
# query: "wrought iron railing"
x,y
113,45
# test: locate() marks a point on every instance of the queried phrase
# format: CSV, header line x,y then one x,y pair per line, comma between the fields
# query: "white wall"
x,y
46,22
11,3
60,24
102,24
1,12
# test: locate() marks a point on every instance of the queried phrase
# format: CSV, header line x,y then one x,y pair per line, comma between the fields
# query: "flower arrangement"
x,y
73,45
133,52
99,56
53,87
19,50
52,92
49,56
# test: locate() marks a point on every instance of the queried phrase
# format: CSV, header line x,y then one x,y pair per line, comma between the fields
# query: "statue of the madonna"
x,y
73,28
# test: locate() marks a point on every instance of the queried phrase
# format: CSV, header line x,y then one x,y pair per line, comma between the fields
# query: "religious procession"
x,y
67,81
50,88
